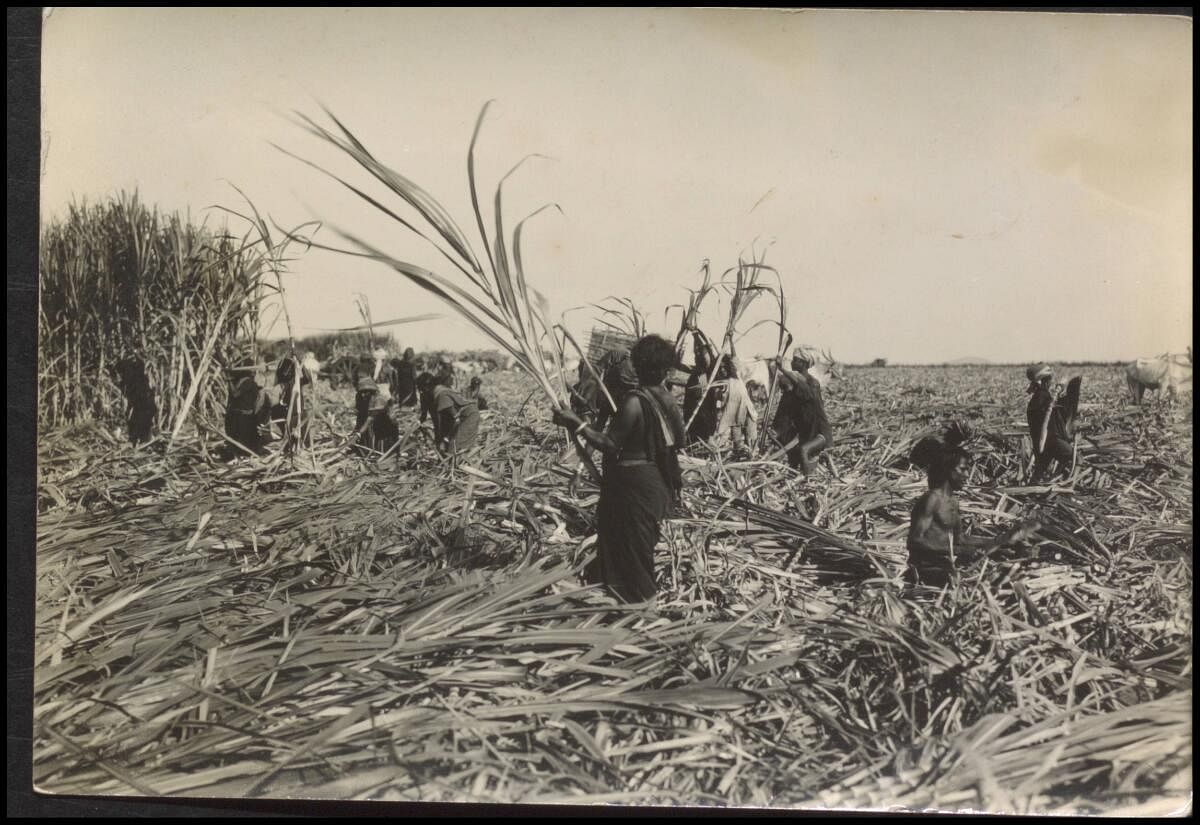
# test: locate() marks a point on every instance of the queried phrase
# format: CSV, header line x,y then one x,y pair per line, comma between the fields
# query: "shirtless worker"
x,y
937,545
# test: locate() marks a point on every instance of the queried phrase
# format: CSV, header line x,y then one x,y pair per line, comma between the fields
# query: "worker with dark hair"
x,y
247,416
641,479
455,415
702,404
475,393
404,371
141,408
937,544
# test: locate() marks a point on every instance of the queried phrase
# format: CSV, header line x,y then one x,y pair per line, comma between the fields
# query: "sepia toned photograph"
x,y
620,408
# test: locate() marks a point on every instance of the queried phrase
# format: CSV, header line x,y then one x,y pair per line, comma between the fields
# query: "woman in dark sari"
x,y
698,394
247,417
641,478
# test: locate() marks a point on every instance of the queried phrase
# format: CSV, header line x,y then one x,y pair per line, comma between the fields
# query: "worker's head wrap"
x,y
1037,374
802,359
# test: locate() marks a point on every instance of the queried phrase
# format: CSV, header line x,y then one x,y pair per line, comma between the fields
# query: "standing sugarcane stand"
x,y
1051,417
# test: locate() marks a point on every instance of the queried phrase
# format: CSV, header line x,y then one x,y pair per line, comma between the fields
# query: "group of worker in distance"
x,y
640,428
636,410
383,389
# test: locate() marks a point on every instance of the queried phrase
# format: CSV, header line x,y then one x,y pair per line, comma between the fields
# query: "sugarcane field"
x,y
757,428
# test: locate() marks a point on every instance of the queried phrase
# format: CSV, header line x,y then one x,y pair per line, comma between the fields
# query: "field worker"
x,y
404,370
475,393
455,417
702,422
445,368
248,416
383,372
583,393
425,382
937,547
378,432
139,399
739,419
364,388
285,379
800,416
1050,421
641,480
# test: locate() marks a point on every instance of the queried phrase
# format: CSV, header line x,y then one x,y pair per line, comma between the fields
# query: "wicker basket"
x,y
603,340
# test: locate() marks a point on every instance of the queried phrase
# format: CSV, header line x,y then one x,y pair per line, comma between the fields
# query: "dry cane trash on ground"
x,y
328,626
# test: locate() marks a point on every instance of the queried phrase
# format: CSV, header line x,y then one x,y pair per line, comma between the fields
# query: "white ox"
x,y
1166,372
464,371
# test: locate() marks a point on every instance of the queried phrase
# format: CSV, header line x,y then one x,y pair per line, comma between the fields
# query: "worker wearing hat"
x,y
800,419
1048,420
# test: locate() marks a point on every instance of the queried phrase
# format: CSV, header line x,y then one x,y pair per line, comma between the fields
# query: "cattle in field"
x,y
826,372
464,371
758,370
1164,374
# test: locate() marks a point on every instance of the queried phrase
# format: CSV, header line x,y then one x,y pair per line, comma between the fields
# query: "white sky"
x,y
941,184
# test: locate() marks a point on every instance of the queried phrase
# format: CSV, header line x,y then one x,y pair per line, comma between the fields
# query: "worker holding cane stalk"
x,y
642,480
1051,418
800,421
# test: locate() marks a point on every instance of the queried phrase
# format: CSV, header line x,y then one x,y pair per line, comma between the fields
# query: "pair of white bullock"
x,y
1165,374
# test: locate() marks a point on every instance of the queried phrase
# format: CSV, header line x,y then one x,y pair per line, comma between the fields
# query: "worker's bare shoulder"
x,y
941,505
924,505
631,407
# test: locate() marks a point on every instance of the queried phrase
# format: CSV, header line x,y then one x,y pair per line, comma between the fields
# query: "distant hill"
x,y
964,361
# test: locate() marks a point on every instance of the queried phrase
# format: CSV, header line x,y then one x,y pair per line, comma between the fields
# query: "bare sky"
x,y
932,185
